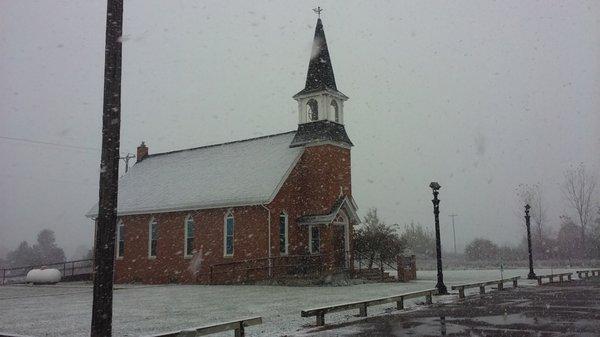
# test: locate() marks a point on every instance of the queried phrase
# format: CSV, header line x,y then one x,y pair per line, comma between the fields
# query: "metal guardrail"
x,y
551,277
594,272
320,312
237,326
500,282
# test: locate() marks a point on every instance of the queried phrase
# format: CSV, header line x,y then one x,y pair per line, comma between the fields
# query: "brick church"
x,y
272,207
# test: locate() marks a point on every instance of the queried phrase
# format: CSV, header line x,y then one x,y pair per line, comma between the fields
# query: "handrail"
x,y
500,282
263,259
551,277
45,264
320,312
363,256
238,326
243,267
68,268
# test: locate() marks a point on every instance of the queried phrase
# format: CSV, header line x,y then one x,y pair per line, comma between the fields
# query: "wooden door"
x,y
339,246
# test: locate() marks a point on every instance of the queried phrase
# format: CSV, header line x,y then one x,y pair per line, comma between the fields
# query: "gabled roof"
x,y
320,70
247,172
343,202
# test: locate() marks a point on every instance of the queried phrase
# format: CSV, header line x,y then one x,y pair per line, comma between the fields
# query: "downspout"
x,y
269,240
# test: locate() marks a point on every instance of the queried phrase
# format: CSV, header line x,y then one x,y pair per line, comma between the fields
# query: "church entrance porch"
x,y
330,235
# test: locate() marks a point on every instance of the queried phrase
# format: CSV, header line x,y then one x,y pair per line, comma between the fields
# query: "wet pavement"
x,y
568,309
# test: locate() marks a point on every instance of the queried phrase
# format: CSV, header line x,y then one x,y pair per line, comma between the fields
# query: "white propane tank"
x,y
43,276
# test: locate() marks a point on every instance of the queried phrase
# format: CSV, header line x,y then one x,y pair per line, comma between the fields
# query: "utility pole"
x,y
126,160
454,231
106,222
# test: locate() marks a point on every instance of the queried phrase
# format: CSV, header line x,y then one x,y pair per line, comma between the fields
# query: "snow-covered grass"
x,y
65,309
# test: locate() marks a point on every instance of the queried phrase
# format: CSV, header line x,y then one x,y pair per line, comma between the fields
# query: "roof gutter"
x,y
269,240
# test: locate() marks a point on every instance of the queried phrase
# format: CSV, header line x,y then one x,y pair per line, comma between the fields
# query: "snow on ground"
x,y
65,309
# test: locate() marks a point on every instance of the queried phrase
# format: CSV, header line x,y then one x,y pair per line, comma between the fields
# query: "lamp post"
x,y
441,287
531,274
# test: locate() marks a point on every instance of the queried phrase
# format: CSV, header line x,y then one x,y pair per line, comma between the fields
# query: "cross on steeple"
x,y
318,10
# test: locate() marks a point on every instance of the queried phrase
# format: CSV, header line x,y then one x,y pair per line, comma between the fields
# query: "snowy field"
x,y
65,309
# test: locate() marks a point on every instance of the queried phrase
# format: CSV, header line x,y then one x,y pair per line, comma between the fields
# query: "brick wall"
x,y
311,188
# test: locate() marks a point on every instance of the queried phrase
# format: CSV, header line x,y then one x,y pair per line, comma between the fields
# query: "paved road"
x,y
568,309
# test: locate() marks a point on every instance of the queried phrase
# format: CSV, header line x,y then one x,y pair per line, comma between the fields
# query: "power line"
x,y
25,140
51,180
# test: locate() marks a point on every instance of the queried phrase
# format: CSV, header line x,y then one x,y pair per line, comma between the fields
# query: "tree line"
x,y
44,251
576,237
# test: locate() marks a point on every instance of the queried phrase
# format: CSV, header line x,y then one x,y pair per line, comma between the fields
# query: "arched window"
x,y
336,111
228,234
120,239
189,233
312,110
283,233
152,237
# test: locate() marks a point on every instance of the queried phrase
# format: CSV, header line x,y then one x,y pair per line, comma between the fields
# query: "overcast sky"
x,y
479,95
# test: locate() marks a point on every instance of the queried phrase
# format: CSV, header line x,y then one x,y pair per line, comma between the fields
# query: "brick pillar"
x,y
400,268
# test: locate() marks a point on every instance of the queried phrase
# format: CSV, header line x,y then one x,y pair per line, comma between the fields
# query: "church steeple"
x,y
320,104
320,70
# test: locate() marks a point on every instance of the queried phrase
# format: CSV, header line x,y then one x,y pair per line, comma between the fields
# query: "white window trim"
x,y
287,240
310,237
335,107
309,112
346,223
185,237
153,220
228,215
118,241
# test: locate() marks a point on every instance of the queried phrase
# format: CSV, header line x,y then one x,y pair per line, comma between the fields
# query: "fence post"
x,y
239,332
3,275
429,298
400,304
73,268
363,310
321,319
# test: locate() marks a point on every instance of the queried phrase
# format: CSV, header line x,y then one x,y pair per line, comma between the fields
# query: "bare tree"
x,y
578,191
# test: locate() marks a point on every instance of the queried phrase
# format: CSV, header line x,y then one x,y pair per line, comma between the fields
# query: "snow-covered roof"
x,y
246,172
345,202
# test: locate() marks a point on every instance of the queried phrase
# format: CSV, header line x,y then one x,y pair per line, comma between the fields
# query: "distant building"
x,y
269,207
